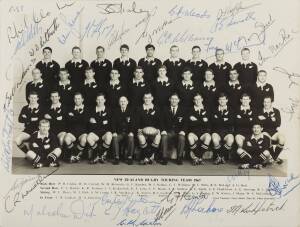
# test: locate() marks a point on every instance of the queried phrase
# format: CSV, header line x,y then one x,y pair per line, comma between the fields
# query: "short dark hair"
x,y
219,49
186,69
209,70
89,68
47,48
138,67
262,71
197,94
76,47
63,70
245,49
268,97
78,93
174,94
54,91
245,95
100,47
196,47
148,46
162,67
33,93
222,94
101,94
124,46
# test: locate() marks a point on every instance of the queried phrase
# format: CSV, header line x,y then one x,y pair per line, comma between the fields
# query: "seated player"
x,y
89,88
222,130
199,127
162,88
76,67
125,65
246,69
233,89
65,88
220,68
174,65
187,89
255,151
174,128
244,118
44,148
209,90
137,88
102,67
100,131
115,89
38,85
150,64
123,129
261,89
197,65
75,139
30,116
148,125
56,115
271,121
49,68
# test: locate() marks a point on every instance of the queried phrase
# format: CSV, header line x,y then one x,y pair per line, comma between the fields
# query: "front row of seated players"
x,y
92,132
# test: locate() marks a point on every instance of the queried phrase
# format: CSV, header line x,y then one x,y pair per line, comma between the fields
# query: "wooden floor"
x,y
22,166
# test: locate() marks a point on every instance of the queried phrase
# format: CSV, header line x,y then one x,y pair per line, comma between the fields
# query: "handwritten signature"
x,y
281,189
21,190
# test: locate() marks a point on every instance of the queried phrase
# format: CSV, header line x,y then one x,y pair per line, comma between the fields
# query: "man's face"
x,y
148,98
198,100
150,52
63,75
100,100
123,102
209,76
78,100
36,74
47,54
138,74
44,128
220,55
76,53
174,51
124,52
245,55
257,129
245,101
262,77
187,75
162,72
100,53
54,98
196,52
233,75
33,99
89,74
114,75
223,101
267,103
174,100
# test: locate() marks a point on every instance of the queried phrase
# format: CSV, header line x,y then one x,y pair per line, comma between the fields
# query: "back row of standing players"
x,y
187,80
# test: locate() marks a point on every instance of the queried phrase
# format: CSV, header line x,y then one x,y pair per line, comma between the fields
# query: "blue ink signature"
x,y
197,206
71,26
181,11
281,189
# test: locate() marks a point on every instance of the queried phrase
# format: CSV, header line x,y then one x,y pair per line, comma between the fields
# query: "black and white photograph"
x,y
138,113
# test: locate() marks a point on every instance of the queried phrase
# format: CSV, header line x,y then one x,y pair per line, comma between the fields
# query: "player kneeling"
x,y
148,125
255,151
44,148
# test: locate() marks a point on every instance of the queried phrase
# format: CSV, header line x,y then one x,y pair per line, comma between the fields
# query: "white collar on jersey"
x,y
40,136
89,81
54,106
79,107
100,109
148,107
211,83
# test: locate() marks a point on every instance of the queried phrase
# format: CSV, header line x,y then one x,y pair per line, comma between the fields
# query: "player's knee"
x,y
239,151
266,153
229,140
281,139
207,138
30,155
191,138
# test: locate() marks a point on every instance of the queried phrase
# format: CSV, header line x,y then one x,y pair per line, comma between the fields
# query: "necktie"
x,y
173,111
